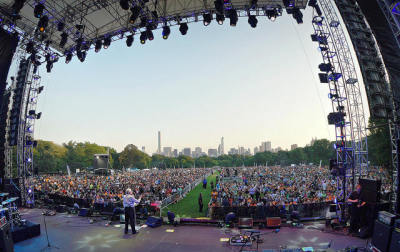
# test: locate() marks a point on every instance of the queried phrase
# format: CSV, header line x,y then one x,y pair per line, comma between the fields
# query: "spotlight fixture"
x,y
107,43
220,19
253,21
297,15
98,45
207,17
68,58
43,22
219,6
49,66
143,37
183,28
81,55
314,4
17,6
149,34
60,26
272,14
129,40
64,39
232,14
40,89
38,10
135,14
165,32
124,4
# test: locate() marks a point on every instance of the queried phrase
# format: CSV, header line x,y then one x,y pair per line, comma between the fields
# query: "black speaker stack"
x,y
6,240
386,236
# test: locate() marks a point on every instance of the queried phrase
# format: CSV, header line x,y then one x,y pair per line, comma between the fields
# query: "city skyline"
x,y
123,95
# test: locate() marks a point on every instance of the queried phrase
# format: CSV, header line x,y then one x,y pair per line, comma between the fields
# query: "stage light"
x,y
272,14
29,190
323,78
314,4
253,4
107,43
38,10
30,47
135,14
253,21
143,37
98,45
297,15
40,89
60,26
166,31
149,34
207,17
129,40
81,55
183,28
143,22
232,14
288,3
68,58
17,6
64,39
43,22
38,115
49,66
325,67
29,129
219,6
220,19
124,4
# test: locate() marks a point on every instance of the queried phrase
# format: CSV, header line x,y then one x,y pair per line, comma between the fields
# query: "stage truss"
x,y
106,19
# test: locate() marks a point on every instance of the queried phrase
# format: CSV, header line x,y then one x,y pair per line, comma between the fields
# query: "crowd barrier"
x,y
262,212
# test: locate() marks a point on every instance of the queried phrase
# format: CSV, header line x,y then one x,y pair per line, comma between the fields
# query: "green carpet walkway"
x,y
188,207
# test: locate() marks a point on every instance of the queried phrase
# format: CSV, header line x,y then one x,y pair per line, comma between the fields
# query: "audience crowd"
x,y
283,186
152,185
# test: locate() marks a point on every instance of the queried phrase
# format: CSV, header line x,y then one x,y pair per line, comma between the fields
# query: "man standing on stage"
x,y
356,213
129,205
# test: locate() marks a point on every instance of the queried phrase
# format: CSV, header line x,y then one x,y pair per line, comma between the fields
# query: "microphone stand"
x,y
48,247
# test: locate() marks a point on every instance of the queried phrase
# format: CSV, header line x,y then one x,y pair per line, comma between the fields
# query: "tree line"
x,y
50,157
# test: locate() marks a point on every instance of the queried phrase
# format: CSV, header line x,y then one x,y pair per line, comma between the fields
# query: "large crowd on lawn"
x,y
152,185
276,185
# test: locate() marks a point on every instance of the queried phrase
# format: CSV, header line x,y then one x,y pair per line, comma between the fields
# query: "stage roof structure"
x,y
99,19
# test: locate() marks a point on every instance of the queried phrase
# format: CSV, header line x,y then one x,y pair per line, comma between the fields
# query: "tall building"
x,y
265,146
293,146
175,153
167,151
187,152
197,152
159,143
222,151
256,150
212,152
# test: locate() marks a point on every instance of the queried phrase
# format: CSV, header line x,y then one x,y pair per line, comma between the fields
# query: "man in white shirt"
x,y
130,202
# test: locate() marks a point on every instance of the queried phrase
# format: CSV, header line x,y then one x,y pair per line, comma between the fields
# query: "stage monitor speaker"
x,y
273,222
6,241
84,212
395,242
370,190
153,221
381,236
245,223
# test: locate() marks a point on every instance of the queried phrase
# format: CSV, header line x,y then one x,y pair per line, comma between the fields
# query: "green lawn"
x,y
188,207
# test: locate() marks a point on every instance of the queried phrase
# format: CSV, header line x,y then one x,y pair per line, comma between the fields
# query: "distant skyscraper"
x,y
293,146
175,153
222,151
255,150
143,149
187,152
212,152
197,152
159,143
265,146
167,151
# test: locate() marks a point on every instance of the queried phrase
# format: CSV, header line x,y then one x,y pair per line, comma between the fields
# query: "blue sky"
x,y
248,85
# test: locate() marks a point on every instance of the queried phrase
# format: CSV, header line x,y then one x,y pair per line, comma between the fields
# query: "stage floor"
x,y
74,233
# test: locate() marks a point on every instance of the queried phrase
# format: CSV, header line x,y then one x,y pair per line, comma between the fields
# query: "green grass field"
x,y
188,207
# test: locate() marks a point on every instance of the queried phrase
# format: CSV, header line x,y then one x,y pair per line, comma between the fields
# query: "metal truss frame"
x,y
351,135
394,24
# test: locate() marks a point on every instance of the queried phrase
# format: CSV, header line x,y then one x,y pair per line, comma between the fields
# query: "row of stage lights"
x,y
223,8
